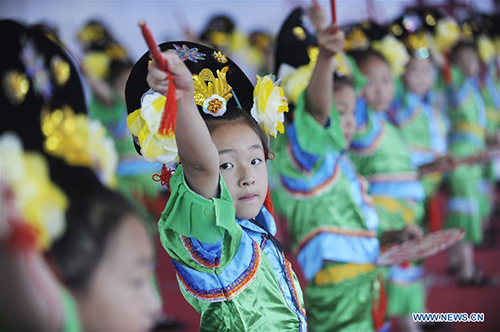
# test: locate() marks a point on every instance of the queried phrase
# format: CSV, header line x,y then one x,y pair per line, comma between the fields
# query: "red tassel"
x,y
268,203
164,177
169,116
22,237
378,311
447,68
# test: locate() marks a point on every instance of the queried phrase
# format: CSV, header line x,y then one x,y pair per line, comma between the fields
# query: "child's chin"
x,y
247,212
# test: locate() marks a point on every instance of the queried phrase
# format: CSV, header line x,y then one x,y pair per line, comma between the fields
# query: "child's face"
x,y
243,166
419,76
379,91
120,295
345,102
467,60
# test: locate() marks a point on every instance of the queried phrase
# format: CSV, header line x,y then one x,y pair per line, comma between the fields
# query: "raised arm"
x,y
320,89
198,153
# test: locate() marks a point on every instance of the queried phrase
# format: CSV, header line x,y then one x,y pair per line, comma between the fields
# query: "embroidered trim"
x,y
232,290
335,230
289,276
197,256
316,190
362,146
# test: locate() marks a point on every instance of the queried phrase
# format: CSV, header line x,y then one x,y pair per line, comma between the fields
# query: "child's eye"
x,y
256,161
226,166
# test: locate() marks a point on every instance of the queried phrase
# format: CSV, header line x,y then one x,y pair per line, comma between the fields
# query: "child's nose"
x,y
246,178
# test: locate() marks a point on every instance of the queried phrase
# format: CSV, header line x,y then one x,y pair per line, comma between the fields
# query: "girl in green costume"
x,y
218,226
100,253
467,137
333,223
415,111
381,155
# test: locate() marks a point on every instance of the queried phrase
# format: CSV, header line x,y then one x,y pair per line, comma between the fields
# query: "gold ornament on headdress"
x,y
116,52
215,90
60,69
16,85
66,135
430,20
419,44
299,33
91,33
218,38
396,29
219,56
356,40
313,52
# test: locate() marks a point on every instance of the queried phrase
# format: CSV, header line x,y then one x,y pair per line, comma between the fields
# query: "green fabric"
x,y
307,128
464,181
71,315
391,156
333,207
405,299
261,306
344,306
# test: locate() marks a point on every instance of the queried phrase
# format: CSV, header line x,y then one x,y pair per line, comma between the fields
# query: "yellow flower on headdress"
x,y
294,81
97,64
395,53
269,105
39,202
447,33
486,49
80,141
144,124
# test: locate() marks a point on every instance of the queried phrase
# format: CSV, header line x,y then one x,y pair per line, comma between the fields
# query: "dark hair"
x,y
234,115
363,56
342,81
93,216
117,68
461,45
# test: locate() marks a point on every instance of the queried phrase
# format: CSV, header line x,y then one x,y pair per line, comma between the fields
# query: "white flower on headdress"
x,y
447,33
144,124
215,105
395,52
37,199
269,105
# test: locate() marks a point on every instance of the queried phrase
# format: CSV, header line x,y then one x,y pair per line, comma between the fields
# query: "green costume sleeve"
x,y
312,136
71,315
209,222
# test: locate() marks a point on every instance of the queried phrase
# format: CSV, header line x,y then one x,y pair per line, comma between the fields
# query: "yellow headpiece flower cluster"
x,y
395,53
447,34
212,93
39,202
486,49
80,141
269,106
356,40
295,80
419,44
144,124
